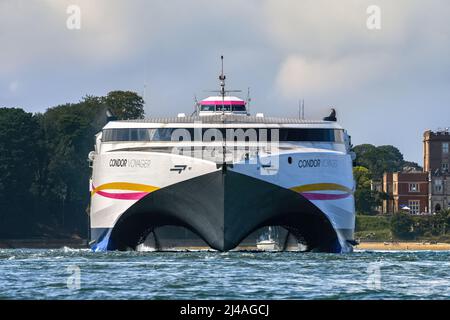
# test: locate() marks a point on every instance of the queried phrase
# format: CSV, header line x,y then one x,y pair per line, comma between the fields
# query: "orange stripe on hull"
x,y
321,187
125,186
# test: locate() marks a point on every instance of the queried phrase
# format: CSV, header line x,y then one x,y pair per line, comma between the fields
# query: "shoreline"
x,y
82,244
403,246
43,243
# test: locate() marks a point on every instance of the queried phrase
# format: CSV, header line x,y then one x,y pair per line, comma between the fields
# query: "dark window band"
x,y
165,134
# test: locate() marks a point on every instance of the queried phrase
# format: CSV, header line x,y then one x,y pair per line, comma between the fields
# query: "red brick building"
x,y
406,190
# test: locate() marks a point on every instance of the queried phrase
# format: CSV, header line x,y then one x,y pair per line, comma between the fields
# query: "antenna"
x,y
303,109
144,96
196,105
249,99
222,80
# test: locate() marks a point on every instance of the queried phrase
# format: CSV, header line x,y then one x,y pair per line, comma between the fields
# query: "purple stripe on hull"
x,y
324,196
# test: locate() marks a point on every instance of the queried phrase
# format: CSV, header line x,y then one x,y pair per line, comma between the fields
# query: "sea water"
x,y
81,274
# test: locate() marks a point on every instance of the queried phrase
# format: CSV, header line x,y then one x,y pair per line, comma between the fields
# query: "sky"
x,y
388,85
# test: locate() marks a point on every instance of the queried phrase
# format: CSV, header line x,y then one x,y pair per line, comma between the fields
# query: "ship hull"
x,y
222,208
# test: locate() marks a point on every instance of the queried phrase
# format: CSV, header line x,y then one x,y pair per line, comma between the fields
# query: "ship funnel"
x,y
332,116
110,116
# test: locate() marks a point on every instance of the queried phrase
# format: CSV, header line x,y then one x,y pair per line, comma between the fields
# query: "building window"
x,y
413,187
445,167
414,206
445,147
438,185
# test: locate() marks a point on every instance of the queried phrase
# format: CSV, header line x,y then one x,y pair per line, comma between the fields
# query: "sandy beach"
x,y
402,246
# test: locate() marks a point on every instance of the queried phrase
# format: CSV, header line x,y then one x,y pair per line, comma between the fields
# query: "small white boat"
x,y
268,244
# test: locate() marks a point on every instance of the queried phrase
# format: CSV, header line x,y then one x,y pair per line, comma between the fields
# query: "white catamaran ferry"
x,y
219,178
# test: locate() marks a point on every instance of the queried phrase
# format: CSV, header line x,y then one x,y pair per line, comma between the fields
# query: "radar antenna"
x,y
249,99
222,80
196,106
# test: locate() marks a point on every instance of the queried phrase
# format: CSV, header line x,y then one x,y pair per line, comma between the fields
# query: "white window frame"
x,y
444,166
445,147
413,187
414,206
438,185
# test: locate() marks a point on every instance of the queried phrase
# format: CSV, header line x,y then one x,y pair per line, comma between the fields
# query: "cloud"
x,y
13,86
327,47
36,33
300,77
332,29
284,50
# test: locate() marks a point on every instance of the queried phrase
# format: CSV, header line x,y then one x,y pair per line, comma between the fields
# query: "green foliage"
x,y
366,199
434,225
378,159
125,104
44,171
407,165
372,223
402,226
362,177
370,164
19,132
376,228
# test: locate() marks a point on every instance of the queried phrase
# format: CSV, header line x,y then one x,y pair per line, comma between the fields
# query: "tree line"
x,y
44,171
370,165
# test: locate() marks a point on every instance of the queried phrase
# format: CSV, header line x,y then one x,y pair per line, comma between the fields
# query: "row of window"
x,y
412,187
211,107
414,207
415,187
230,134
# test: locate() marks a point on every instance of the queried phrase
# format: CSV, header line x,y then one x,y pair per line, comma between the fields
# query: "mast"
x,y
249,99
222,86
222,92
303,109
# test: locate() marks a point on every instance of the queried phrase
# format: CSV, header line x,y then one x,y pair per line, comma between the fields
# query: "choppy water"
x,y
53,274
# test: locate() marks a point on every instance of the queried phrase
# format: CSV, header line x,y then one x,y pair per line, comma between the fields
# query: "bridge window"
x,y
262,134
208,107
239,108
219,107
223,107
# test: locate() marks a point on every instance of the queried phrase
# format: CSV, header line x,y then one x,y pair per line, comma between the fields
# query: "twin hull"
x,y
308,192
